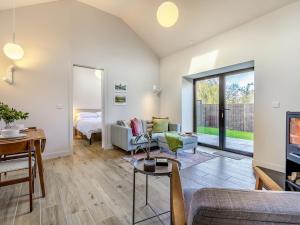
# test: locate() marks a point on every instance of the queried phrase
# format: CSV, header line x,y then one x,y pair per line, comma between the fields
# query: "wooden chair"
x,y
12,162
177,204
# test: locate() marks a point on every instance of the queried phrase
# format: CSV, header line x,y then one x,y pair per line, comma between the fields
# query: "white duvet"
x,y
88,126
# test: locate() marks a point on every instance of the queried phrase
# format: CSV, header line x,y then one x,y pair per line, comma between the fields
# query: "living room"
x,y
155,58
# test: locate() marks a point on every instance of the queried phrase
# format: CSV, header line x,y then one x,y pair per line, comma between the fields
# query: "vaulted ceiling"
x,y
198,19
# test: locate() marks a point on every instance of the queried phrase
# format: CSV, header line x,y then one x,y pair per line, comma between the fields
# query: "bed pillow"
x,y
136,126
99,114
86,115
160,125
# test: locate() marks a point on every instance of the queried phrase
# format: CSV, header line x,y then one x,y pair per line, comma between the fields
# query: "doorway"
x,y
87,120
224,111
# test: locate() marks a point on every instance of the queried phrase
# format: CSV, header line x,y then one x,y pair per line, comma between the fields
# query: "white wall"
x,y
86,88
273,43
57,35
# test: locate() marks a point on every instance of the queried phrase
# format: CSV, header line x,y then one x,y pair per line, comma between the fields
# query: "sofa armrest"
x,y
121,136
175,127
224,206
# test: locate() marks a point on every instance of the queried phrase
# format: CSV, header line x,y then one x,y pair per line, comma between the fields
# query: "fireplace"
x,y
292,151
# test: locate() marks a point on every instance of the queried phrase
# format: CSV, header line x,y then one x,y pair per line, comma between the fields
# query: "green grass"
x,y
229,133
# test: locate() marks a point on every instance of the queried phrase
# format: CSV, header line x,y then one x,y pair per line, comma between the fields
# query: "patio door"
x,y
224,111
207,105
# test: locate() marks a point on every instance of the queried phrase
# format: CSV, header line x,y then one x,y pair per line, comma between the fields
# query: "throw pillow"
x,y
136,126
160,124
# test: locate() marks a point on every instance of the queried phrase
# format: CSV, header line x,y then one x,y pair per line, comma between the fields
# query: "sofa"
x,y
241,207
121,136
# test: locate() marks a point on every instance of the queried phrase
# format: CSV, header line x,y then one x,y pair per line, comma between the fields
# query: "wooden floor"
x,y
94,187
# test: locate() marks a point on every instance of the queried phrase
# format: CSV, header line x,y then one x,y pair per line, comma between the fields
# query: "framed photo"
x,y
120,99
120,87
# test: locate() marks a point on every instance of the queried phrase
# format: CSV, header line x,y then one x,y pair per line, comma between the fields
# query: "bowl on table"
x,y
9,133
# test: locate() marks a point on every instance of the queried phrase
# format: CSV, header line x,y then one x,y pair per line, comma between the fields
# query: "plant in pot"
x,y
10,115
149,163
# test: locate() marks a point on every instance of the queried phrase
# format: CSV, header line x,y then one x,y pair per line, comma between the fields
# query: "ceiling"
x,y
198,19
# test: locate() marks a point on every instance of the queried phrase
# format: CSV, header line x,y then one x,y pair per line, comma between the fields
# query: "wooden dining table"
x,y
39,138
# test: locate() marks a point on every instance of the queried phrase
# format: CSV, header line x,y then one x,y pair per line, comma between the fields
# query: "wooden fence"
x,y
239,116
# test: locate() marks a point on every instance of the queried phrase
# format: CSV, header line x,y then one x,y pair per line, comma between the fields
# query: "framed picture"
x,y
120,99
120,87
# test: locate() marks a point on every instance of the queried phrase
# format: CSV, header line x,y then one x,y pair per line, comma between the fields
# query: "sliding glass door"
x,y
224,111
207,111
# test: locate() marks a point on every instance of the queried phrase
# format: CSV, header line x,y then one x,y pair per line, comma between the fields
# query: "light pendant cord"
x,y
14,21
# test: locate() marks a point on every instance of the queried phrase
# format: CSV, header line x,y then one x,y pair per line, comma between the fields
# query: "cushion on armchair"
x,y
227,206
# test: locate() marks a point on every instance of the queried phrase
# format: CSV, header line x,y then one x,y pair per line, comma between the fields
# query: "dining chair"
x,y
12,162
177,200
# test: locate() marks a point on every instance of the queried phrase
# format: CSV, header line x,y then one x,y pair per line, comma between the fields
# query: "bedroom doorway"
x,y
87,107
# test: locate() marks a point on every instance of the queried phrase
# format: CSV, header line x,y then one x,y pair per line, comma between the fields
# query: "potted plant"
x,y
10,115
149,163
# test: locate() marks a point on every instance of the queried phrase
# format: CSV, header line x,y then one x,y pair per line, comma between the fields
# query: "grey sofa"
x,y
121,136
240,207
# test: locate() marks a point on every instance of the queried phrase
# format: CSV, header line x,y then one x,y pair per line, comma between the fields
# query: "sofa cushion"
x,y
215,206
137,127
160,125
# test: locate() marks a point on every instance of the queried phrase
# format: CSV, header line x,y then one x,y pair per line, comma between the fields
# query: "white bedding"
x,y
88,126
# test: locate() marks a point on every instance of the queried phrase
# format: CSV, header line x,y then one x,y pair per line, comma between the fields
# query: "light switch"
x,y
59,106
275,104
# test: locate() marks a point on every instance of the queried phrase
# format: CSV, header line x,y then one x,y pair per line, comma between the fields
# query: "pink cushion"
x,y
136,127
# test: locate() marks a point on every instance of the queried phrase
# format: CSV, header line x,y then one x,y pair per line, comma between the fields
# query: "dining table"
x,y
39,139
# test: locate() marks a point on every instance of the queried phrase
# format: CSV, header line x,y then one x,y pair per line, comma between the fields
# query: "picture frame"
x,y
120,99
120,87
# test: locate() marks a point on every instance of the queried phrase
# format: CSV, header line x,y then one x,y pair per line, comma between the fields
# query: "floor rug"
x,y
187,158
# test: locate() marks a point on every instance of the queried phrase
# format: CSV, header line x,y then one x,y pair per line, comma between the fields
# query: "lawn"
x,y
229,133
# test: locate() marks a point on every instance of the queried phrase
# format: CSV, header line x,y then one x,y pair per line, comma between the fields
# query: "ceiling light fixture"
x,y
11,49
167,14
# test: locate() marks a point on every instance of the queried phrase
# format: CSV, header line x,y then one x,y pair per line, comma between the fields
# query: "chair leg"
x,y
30,194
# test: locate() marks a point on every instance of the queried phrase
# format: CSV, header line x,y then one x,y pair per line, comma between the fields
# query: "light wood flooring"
x,y
94,187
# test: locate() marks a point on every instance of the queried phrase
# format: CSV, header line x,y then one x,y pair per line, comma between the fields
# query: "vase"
x,y
9,125
149,165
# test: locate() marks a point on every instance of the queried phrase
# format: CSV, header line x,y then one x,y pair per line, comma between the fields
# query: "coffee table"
x,y
138,167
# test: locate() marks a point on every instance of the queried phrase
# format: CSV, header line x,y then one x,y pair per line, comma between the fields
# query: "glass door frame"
x,y
222,110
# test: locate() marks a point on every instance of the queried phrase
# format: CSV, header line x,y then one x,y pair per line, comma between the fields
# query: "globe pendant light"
x,y
167,14
11,49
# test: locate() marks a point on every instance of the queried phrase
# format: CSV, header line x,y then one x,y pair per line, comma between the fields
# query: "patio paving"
x,y
233,143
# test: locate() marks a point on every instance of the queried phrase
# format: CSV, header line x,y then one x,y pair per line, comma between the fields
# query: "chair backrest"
x,y
177,204
16,147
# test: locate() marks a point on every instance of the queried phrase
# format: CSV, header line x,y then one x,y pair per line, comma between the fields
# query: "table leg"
x,y
146,189
133,205
40,166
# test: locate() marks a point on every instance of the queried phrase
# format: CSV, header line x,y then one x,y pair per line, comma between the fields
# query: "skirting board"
x,y
107,147
267,165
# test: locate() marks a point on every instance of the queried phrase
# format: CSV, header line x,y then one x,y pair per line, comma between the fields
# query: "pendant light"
x,y
11,49
167,14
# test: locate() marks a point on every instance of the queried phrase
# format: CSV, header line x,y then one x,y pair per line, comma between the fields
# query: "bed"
x,y
87,124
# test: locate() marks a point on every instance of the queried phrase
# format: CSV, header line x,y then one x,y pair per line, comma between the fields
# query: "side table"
x,y
138,167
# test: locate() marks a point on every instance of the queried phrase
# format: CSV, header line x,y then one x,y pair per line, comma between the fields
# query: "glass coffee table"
x,y
138,167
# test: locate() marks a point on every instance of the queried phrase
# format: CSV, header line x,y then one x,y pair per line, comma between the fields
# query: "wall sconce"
x,y
156,90
9,77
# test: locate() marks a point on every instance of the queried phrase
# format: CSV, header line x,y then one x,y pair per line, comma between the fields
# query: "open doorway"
x,y
87,106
